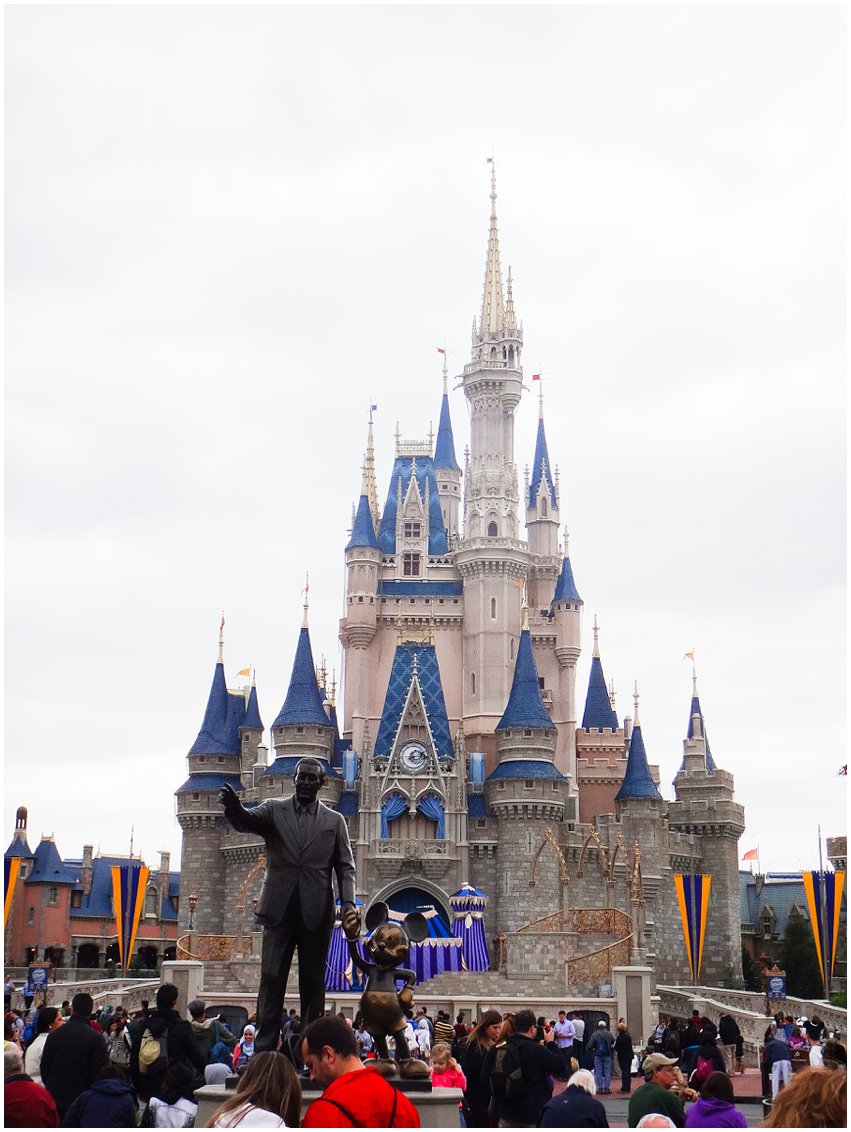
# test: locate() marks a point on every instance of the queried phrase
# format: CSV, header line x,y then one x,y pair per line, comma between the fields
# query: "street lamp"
x,y
193,904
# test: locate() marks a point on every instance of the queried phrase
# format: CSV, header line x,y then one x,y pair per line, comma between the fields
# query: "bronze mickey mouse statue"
x,y
382,1006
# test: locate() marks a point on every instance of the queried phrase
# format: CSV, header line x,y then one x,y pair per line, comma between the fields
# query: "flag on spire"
x,y
244,672
751,855
440,350
688,656
536,377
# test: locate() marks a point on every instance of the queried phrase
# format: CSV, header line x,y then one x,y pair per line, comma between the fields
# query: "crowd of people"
x,y
77,1067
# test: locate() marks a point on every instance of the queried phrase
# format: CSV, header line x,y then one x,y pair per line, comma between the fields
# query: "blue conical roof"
x,y
363,532
525,706
598,707
444,449
431,690
696,711
48,867
252,711
565,586
217,735
637,782
541,468
18,847
303,703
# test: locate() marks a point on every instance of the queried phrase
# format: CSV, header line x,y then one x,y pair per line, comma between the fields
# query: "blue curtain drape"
x,y
431,807
392,807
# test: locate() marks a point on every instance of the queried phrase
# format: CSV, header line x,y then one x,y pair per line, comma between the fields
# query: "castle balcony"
x,y
429,858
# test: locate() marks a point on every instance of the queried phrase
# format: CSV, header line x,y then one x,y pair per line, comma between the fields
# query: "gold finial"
x,y
305,591
596,638
635,722
222,639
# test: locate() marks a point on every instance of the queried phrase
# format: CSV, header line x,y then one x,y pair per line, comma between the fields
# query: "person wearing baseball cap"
x,y
655,1095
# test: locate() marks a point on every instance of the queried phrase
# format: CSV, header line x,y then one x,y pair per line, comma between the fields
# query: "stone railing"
x,y
214,947
597,965
118,991
746,1007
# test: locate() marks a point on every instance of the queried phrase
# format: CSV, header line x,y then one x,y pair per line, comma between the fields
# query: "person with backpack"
x,y
601,1045
519,1070
214,1039
709,1060
163,1039
118,1044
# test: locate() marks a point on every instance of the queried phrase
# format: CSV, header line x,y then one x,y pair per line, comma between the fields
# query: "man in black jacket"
x,y
536,1062
728,1032
180,1043
73,1055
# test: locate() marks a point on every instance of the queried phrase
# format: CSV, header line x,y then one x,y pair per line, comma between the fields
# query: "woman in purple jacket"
x,y
714,1107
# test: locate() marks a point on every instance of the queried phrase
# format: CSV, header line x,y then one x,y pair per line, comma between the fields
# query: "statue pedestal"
x,y
632,987
188,977
437,1109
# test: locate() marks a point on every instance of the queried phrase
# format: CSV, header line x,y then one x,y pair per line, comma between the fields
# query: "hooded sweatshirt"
x,y
712,1112
107,1104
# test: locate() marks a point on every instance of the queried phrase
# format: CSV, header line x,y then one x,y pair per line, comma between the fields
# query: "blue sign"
x,y
39,977
777,986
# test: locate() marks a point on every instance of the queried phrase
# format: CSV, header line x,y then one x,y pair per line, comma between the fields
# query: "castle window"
x,y
299,731
53,895
411,565
195,796
543,507
76,900
472,683
201,759
492,530
529,783
22,871
481,823
412,530
151,902
555,786
511,649
493,609
220,759
30,915
527,731
500,785
360,599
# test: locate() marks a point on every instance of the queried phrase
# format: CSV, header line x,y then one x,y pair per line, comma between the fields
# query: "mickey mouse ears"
x,y
415,925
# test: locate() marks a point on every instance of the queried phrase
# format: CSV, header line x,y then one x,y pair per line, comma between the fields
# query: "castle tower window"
x,y
492,530
472,683
30,915
493,609
411,565
53,895
412,530
543,507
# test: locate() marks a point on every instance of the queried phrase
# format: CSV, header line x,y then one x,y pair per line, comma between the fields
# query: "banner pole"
x,y
823,927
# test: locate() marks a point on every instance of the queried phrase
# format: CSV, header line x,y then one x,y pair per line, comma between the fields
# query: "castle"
x,y
461,756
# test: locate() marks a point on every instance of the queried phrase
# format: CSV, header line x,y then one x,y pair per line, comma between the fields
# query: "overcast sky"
x,y
228,230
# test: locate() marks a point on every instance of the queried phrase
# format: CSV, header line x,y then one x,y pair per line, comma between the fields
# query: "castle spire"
x,y
369,482
303,703
525,707
637,780
305,591
599,711
542,472
510,316
493,313
444,449
696,724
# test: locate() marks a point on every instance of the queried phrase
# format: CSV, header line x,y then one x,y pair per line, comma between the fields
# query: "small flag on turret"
x,y
843,770
751,855
688,656
440,350
222,624
373,408
536,377
244,672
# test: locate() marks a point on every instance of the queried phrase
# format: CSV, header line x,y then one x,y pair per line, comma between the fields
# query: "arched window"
x,y
492,530
472,683
543,506
493,609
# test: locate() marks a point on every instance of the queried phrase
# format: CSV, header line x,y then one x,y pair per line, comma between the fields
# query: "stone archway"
x,y
88,956
413,894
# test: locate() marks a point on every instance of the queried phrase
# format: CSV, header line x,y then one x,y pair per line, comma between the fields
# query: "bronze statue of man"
x,y
305,842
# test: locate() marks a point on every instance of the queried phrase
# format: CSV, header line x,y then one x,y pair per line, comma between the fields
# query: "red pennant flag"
x,y
751,855
440,351
536,377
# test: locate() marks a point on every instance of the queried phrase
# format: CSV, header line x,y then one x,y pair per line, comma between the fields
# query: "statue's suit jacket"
x,y
291,865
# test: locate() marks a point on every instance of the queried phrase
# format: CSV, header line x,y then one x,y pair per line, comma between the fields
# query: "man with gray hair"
x,y
25,1104
577,1106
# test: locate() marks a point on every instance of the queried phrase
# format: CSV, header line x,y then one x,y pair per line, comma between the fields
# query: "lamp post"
x,y
193,904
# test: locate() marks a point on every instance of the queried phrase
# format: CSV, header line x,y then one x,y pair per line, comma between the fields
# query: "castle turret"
x,y
526,793
491,559
542,514
565,610
358,627
705,808
446,466
214,760
601,744
251,737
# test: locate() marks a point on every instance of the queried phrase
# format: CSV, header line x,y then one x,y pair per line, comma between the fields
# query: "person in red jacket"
x,y
354,1095
25,1104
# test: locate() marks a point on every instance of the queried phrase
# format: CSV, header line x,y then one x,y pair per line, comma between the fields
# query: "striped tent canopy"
x,y
468,909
